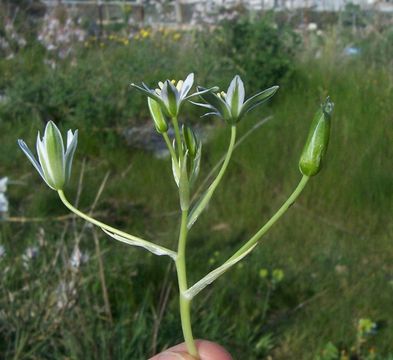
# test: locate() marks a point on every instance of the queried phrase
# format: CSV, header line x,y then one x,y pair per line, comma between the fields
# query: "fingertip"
x,y
170,355
211,351
207,351
173,355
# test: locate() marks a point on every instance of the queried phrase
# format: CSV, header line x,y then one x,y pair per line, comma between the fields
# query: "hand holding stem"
x,y
55,162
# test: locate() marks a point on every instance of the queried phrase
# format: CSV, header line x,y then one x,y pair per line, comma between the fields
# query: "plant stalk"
x,y
182,279
200,206
273,219
178,139
101,224
170,148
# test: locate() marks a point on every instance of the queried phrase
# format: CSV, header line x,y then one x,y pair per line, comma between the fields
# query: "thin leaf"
x,y
199,207
213,275
196,164
153,248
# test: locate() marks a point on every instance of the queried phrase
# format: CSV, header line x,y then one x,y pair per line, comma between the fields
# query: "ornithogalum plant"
x,y
165,105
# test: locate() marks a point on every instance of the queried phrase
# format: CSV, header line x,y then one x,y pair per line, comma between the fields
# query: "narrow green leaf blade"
x,y
199,207
153,248
213,275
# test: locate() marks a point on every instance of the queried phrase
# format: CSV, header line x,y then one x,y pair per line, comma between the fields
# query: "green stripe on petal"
x,y
44,161
235,96
54,148
258,99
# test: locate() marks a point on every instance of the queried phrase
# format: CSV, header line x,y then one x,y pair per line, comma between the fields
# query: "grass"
x,y
334,245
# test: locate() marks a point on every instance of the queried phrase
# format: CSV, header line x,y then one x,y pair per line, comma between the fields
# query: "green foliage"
x,y
377,47
330,352
359,350
261,50
334,251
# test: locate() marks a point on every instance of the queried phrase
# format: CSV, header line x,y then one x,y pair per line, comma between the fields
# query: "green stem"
x,y
99,223
273,219
182,279
200,206
266,302
228,156
170,147
178,138
247,247
222,159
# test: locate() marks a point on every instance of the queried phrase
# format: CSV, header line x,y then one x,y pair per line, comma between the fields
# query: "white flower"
x,y
55,161
232,106
171,95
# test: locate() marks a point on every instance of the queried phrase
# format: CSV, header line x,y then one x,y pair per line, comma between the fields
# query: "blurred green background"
x,y
320,285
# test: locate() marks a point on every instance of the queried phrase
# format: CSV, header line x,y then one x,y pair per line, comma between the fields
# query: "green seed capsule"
x,y
318,138
157,115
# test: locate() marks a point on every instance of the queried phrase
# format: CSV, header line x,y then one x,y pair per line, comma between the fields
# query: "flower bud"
x,y
157,115
318,138
235,98
54,162
190,140
171,98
